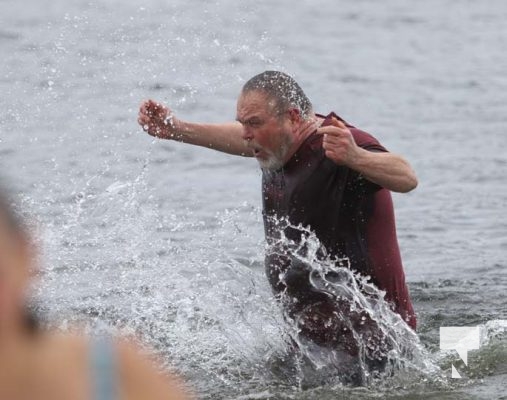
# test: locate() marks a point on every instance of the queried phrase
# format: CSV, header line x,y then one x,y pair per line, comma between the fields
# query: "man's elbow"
x,y
410,183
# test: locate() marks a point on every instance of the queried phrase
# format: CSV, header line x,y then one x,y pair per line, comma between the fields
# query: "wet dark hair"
x,y
283,89
16,226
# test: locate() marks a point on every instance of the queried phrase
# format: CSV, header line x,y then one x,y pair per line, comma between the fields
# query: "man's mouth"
x,y
256,151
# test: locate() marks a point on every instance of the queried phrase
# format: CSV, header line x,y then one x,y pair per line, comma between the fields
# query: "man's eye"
x,y
254,123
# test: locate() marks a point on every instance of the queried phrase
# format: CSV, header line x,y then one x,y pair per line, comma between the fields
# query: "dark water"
x,y
166,240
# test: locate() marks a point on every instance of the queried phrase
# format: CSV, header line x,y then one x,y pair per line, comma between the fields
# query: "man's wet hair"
x,y
283,89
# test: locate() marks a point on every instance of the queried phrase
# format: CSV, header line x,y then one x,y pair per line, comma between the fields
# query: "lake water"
x,y
166,240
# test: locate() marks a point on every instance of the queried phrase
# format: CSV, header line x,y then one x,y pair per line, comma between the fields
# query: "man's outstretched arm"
x,y
158,121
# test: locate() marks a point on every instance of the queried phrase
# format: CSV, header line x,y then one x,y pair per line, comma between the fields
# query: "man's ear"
x,y
294,115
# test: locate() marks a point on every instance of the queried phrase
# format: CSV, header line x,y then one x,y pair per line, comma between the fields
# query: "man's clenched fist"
x,y
157,120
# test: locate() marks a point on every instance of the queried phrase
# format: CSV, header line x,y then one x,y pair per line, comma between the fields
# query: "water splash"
x,y
373,343
203,303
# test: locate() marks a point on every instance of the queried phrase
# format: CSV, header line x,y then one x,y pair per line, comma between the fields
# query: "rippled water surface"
x,y
166,240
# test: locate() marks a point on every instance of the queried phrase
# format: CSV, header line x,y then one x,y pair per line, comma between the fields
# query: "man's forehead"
x,y
253,103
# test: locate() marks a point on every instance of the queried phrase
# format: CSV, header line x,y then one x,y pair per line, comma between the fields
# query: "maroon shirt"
x,y
351,216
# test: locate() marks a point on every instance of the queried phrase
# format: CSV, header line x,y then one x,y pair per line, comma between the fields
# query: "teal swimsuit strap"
x,y
103,368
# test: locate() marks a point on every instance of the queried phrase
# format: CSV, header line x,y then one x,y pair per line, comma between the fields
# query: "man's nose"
x,y
247,134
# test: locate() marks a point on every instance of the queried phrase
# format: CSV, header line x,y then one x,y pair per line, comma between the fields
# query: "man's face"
x,y
267,132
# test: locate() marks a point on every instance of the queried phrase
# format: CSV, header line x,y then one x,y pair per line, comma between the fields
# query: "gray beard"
x,y
276,161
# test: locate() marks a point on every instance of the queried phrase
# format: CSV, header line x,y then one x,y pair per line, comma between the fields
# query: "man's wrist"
x,y
173,127
360,160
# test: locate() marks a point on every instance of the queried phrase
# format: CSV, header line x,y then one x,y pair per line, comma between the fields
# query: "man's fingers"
x,y
147,106
339,124
332,131
332,139
146,111
152,103
150,107
330,143
143,121
157,109
335,122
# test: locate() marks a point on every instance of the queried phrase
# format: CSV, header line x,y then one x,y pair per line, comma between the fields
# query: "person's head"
x,y
15,267
272,107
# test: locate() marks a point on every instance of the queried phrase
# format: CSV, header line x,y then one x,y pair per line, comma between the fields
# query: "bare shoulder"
x,y
60,365
63,347
141,376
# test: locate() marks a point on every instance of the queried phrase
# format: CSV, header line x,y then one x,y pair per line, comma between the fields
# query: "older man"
x,y
319,173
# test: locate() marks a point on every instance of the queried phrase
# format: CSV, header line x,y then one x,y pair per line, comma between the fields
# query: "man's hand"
x,y
339,143
305,128
157,120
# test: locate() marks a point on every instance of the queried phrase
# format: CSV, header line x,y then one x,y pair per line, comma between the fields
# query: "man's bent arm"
x,y
388,170
385,169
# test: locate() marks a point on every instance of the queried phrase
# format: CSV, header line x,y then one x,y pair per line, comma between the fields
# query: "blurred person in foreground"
x,y
320,173
39,365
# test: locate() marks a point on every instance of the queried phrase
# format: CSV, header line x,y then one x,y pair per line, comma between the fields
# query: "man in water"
x,y
319,173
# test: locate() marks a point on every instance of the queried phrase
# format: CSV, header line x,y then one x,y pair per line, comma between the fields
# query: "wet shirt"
x,y
352,218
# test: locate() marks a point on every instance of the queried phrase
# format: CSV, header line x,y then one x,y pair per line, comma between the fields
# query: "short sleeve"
x,y
369,143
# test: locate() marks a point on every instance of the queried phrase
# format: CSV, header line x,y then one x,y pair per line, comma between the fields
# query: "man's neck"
x,y
307,128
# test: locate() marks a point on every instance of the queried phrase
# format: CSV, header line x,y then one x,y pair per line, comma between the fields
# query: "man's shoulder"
x,y
362,138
